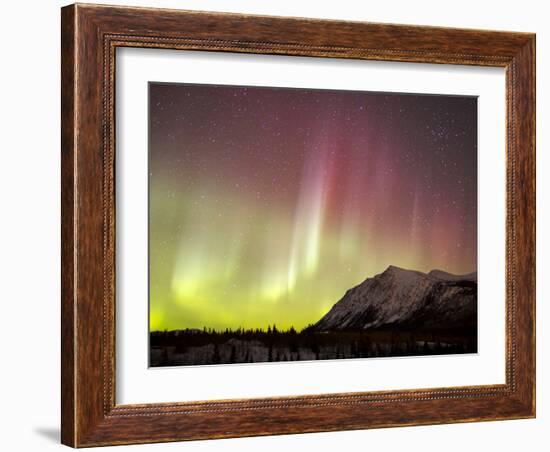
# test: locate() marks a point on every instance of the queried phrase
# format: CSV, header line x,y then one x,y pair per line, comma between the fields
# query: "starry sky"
x,y
267,204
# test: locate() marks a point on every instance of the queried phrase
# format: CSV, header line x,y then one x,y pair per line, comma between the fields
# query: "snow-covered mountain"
x,y
406,298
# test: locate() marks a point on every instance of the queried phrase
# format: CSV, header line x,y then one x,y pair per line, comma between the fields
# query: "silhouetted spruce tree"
x,y
364,348
353,349
216,355
393,347
314,346
412,344
293,345
164,357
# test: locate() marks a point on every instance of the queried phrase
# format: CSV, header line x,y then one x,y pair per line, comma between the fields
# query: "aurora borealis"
x,y
267,204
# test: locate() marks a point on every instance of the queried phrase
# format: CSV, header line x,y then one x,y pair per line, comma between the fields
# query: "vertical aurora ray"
x,y
267,204
310,211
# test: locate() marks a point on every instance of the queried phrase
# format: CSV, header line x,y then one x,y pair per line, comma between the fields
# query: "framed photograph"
x,y
281,225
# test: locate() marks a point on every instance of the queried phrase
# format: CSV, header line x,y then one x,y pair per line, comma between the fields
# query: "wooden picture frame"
x,y
90,36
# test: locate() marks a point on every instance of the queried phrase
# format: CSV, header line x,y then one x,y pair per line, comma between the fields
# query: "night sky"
x,y
267,204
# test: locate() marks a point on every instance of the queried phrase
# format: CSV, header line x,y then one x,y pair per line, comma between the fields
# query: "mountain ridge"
x,y
406,298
